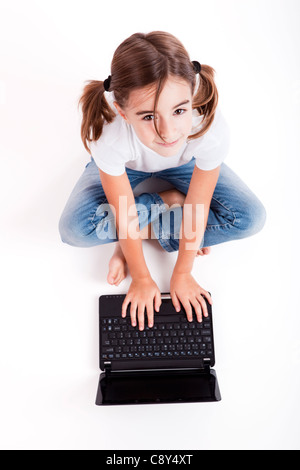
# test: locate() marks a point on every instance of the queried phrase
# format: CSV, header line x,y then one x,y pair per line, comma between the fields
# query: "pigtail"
x,y
95,110
206,99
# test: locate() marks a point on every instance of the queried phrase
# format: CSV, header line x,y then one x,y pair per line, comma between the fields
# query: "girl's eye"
x,y
178,112
150,117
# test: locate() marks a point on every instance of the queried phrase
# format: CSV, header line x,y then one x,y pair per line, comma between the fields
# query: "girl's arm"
x,y
143,289
184,288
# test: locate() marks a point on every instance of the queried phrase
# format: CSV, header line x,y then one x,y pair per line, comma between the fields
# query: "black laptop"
x,y
168,363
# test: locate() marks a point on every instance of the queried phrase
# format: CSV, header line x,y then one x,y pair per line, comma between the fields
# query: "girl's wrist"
x,y
181,270
184,265
140,274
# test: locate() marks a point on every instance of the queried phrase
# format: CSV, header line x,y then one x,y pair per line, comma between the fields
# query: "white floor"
x,y
49,296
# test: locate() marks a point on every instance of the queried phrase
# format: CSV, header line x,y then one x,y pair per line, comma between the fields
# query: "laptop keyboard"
x,y
167,339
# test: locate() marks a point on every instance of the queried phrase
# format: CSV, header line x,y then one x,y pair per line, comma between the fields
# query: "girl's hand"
x,y
141,294
185,289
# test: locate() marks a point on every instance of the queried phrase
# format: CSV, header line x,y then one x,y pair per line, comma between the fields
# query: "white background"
x,y
49,291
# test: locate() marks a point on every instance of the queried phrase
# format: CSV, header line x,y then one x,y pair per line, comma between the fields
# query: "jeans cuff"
x,y
167,231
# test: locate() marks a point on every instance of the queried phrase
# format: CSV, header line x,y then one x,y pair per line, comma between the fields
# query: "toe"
x,y
111,279
112,276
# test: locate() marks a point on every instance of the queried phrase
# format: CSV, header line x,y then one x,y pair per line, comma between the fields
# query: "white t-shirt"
x,y
119,148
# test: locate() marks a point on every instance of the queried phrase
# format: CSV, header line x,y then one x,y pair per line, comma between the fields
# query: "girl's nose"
x,y
167,130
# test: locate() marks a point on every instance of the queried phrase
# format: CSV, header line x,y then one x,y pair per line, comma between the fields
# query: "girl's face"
x,y
173,116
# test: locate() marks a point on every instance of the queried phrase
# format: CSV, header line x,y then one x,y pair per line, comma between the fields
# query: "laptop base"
x,y
158,386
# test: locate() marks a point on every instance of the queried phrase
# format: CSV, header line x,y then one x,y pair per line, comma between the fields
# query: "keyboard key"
x,y
206,333
207,339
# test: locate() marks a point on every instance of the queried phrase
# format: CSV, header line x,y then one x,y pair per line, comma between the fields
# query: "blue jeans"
x,y
87,220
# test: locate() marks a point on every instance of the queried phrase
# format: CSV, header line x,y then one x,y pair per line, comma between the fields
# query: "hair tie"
x,y
197,66
107,83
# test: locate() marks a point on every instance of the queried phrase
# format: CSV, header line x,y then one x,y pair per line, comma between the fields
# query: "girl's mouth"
x,y
167,144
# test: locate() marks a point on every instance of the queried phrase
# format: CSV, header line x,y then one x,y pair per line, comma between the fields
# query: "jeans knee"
x,y
70,231
254,218
64,231
261,217
80,228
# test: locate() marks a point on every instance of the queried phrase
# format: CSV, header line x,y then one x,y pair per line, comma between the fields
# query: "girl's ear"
x,y
120,111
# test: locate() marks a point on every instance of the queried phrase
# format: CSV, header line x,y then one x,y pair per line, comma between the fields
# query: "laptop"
x,y
168,363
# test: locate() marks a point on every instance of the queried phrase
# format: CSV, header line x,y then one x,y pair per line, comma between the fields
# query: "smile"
x,y
171,144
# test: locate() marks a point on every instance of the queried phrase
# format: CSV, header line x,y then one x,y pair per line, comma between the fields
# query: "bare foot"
x,y
204,251
117,267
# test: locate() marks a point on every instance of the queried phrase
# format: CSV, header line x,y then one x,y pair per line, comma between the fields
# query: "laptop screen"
x,y
158,387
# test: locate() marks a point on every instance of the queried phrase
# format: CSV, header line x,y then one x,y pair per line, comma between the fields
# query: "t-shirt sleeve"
x,y
212,148
111,151
108,160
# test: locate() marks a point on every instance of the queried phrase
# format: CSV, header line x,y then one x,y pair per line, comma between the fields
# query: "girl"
x,y
157,115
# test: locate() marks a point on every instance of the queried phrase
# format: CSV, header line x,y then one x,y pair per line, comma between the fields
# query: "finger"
x,y
198,309
188,310
206,299
124,306
202,302
150,314
157,301
176,302
133,313
141,316
207,296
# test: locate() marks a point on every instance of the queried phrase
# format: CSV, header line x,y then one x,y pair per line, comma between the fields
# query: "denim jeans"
x,y
87,220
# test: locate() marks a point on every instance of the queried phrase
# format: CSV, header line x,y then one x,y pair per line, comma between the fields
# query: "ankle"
x,y
118,250
172,197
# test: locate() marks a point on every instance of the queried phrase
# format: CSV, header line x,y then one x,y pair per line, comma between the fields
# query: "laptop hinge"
x,y
207,364
107,368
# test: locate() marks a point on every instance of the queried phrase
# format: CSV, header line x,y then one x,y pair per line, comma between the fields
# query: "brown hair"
x,y
140,61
